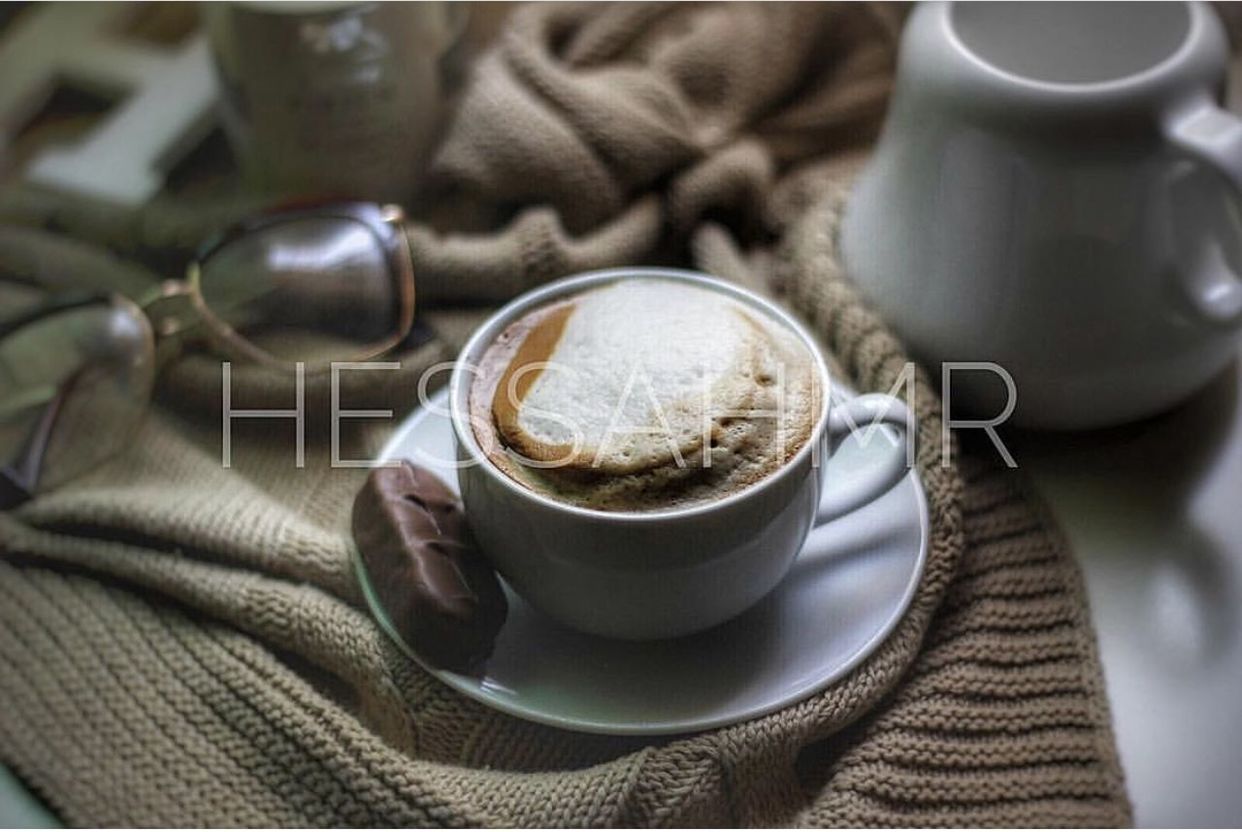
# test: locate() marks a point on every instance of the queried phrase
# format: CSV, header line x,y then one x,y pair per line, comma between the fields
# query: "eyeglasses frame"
x,y
383,221
19,479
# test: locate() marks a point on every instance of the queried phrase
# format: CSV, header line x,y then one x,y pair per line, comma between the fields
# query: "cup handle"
x,y
861,413
1212,136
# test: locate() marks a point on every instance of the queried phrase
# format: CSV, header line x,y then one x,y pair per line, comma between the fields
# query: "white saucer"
x,y
844,595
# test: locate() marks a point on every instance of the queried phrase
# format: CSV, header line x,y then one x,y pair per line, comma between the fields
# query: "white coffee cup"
x,y
657,574
1055,191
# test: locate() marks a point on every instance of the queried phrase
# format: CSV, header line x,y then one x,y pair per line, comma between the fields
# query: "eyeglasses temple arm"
x,y
174,320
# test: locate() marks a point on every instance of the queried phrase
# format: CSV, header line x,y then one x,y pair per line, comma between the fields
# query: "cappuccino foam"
x,y
642,395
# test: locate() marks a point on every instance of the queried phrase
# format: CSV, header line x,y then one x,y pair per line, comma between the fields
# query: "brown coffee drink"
x,y
644,394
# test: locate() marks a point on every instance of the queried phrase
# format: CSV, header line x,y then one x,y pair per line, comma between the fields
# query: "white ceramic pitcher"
x,y
1056,191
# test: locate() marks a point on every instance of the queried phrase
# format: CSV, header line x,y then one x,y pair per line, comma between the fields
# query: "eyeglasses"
x,y
308,286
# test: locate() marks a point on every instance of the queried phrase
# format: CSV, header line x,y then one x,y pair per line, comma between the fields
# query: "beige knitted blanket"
x,y
183,644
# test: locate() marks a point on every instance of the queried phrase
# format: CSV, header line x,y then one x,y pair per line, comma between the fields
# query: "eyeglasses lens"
x,y
310,289
73,388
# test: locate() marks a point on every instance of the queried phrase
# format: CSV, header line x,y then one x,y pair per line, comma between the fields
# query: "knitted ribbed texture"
x,y
203,661
182,643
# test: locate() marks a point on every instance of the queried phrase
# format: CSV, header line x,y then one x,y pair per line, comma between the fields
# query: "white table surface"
x,y
1153,512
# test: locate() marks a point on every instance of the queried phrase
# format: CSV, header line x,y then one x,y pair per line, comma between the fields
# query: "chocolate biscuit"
x,y
438,589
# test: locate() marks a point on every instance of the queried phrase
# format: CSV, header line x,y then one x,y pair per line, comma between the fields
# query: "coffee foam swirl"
x,y
643,394
628,377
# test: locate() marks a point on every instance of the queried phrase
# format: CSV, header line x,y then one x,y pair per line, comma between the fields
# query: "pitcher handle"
x,y
1213,136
